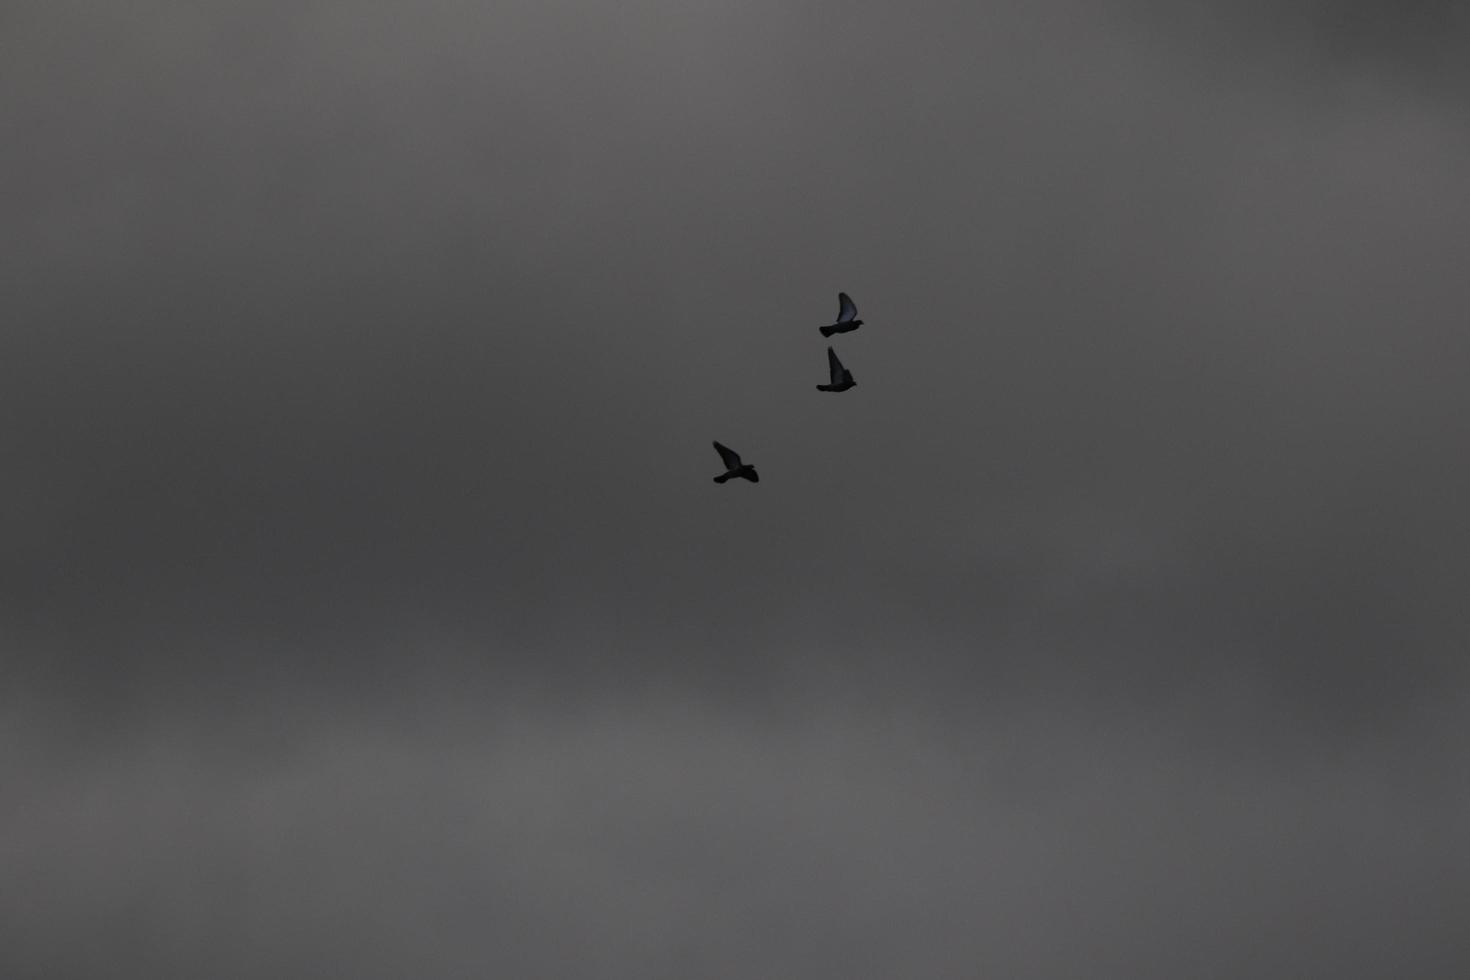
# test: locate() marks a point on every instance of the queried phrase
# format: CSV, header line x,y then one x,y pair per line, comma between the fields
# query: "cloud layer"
x,y
366,604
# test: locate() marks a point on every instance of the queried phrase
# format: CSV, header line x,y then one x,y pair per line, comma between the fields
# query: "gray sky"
x,y
366,607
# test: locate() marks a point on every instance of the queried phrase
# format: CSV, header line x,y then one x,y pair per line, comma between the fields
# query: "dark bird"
x,y
846,317
733,466
841,376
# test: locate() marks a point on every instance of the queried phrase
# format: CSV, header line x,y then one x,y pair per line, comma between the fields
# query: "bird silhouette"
x,y
846,317
733,466
841,376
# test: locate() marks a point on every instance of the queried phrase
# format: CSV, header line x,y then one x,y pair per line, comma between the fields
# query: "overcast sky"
x,y
367,608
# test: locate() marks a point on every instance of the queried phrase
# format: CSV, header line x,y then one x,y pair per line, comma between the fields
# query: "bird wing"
x,y
846,309
834,366
730,456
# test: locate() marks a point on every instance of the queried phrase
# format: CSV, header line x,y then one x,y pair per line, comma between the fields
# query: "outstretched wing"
x,y
834,366
730,456
846,309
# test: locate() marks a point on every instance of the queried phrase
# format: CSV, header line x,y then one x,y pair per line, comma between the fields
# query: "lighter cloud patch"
x,y
652,839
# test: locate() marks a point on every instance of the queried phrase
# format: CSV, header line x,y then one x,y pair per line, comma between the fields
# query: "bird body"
x,y
847,320
841,376
734,467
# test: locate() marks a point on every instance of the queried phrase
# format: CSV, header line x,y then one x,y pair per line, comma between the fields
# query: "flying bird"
x,y
733,466
841,376
846,317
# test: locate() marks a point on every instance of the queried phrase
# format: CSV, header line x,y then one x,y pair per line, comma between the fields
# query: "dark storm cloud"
x,y
1421,40
326,315
367,604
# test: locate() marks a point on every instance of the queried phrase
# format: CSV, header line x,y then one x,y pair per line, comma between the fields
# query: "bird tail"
x,y
827,331
722,477
824,387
